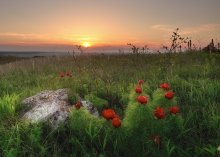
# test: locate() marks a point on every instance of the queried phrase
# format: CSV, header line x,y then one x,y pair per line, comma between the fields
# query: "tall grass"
x,y
107,80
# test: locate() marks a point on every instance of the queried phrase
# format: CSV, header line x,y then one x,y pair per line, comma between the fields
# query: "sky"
x,y
104,25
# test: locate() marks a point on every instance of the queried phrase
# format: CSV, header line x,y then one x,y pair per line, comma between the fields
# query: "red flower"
x,y
174,109
116,116
69,73
108,114
140,82
165,86
169,95
142,99
62,74
159,113
156,139
78,105
138,90
116,122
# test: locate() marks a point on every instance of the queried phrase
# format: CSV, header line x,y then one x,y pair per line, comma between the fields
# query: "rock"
x,y
89,106
52,106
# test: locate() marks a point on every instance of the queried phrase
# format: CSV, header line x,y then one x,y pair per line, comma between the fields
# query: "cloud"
x,y
19,38
187,30
201,29
22,36
164,27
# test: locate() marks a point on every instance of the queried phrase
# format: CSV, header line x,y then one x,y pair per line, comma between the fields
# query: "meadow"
x,y
109,82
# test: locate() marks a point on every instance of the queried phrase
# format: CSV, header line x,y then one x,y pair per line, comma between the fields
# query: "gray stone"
x,y
89,106
52,106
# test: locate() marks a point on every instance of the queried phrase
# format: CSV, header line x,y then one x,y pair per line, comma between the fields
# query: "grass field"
x,y
195,131
8,59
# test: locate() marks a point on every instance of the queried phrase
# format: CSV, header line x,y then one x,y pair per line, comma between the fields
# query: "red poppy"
x,y
142,99
138,90
174,109
169,95
69,73
140,82
156,139
116,122
116,116
78,105
159,113
62,74
108,114
165,86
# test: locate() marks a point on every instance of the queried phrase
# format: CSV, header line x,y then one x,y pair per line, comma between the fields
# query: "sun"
x,y
86,44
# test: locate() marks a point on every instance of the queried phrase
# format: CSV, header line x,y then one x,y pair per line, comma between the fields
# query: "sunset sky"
x,y
104,25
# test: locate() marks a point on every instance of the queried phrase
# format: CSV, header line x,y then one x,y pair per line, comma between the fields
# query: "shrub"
x,y
151,120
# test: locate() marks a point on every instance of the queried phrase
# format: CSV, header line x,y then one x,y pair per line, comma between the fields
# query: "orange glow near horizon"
x,y
86,44
101,40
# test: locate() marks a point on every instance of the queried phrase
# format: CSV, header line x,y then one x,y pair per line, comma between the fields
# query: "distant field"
x,y
31,54
4,60
194,77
